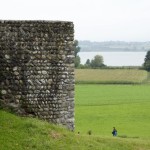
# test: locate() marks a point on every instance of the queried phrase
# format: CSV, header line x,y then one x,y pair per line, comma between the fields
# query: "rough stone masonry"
x,y
37,69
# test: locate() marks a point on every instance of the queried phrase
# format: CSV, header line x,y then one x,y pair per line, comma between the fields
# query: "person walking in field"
x,y
114,132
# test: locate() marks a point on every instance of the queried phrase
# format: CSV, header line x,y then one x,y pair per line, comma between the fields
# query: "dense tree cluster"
x,y
76,50
147,61
96,62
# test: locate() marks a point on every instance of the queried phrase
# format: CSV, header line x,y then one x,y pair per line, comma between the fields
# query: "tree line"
x,y
146,64
98,61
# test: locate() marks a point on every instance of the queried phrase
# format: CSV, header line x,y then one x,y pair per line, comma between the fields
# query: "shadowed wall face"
x,y
37,69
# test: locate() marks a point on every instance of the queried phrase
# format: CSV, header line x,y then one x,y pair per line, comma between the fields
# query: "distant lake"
x,y
116,58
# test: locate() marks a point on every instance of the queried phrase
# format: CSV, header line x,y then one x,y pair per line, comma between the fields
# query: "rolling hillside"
x,y
18,133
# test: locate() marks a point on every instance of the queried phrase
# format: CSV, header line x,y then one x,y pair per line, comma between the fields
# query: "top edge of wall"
x,y
34,21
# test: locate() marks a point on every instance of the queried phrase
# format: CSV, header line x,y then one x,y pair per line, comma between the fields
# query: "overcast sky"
x,y
94,20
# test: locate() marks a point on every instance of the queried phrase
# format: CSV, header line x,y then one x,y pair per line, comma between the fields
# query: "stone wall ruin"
x,y
37,69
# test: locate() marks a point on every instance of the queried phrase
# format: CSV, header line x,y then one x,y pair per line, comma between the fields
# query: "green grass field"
x,y
18,133
100,107
113,76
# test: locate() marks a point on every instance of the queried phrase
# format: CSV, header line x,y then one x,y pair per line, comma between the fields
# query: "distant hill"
x,y
114,46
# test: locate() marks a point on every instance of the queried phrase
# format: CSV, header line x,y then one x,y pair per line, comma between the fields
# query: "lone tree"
x,y
147,61
88,63
97,62
76,50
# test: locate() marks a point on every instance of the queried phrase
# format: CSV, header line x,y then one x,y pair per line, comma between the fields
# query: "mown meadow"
x,y
17,133
100,107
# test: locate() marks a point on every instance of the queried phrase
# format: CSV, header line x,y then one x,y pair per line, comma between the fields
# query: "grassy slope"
x,y
27,133
123,76
100,107
97,109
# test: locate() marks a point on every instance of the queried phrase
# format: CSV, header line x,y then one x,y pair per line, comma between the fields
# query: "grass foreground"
x,y
100,107
17,133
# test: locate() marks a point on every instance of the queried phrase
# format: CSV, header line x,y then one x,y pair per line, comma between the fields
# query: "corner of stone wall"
x,y
37,69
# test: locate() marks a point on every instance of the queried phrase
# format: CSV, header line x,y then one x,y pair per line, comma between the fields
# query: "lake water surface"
x,y
116,58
